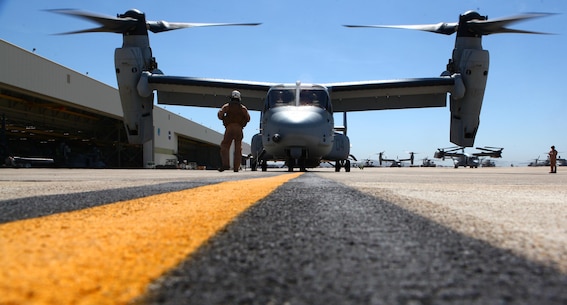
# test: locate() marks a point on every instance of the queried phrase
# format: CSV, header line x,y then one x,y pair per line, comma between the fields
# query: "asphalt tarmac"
x,y
372,236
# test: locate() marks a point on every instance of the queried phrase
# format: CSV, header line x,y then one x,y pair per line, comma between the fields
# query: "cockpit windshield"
x,y
307,97
283,97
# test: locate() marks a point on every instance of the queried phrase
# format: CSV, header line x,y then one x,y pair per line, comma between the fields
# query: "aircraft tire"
x,y
264,165
302,167
290,164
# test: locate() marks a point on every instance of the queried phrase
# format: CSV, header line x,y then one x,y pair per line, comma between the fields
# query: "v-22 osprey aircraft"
x,y
296,124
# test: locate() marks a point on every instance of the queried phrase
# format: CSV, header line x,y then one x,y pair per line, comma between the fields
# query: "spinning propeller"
x,y
442,152
470,23
129,23
494,152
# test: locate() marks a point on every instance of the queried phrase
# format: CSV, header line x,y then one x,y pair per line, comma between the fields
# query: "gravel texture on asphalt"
x,y
315,241
519,209
372,236
29,193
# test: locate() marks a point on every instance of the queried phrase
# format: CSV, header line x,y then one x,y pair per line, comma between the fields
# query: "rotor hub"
x,y
133,13
139,18
464,29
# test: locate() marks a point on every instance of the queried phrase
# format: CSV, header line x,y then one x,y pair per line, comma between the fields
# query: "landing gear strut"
x,y
342,163
291,162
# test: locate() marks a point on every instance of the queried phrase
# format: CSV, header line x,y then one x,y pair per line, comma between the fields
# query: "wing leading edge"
x,y
347,96
390,94
207,92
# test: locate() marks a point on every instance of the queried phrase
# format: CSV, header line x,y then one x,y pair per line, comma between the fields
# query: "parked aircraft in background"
x,y
465,159
16,161
366,163
486,162
426,162
538,162
395,162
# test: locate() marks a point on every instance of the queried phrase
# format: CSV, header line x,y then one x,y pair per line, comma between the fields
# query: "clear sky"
x,y
524,107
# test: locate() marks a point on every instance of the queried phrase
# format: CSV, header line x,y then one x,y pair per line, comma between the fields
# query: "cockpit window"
x,y
311,97
286,97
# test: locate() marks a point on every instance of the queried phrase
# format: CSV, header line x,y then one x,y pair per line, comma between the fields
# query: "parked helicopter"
x,y
299,128
426,162
466,159
486,162
537,162
395,162
366,163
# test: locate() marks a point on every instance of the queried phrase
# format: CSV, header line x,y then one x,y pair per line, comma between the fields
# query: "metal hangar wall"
x,y
50,111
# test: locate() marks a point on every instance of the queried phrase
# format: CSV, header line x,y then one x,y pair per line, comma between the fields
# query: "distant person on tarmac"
x,y
553,160
234,117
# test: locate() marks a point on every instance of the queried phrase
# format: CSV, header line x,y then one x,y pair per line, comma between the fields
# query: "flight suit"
x,y
553,160
234,116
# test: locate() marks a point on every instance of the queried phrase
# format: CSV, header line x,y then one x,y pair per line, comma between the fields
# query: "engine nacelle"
x,y
341,148
465,111
138,110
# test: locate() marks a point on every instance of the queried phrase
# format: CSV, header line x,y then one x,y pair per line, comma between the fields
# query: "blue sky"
x,y
525,100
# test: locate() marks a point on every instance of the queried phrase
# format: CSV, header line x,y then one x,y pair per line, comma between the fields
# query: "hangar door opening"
x,y
203,154
41,129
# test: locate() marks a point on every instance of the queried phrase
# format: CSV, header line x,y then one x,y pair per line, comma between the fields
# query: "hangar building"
x,y
52,112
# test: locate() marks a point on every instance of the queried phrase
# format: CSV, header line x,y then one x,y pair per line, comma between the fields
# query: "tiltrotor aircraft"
x,y
296,124
466,159
395,162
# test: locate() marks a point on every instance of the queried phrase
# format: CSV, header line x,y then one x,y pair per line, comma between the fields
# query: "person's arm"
x,y
221,112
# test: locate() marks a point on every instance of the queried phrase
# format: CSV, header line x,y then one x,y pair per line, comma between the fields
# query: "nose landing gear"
x,y
292,162
342,163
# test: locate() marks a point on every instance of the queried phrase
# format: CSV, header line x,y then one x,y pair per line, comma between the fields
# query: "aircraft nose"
x,y
297,119
293,127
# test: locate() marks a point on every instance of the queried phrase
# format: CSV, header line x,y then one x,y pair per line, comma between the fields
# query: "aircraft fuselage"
x,y
296,126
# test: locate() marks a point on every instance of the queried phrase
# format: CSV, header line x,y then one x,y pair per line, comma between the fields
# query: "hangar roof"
x,y
40,94
48,80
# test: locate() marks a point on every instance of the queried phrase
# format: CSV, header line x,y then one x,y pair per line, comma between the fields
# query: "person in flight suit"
x,y
553,160
234,117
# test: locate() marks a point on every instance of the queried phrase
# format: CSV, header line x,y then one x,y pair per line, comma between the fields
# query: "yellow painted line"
x,y
109,254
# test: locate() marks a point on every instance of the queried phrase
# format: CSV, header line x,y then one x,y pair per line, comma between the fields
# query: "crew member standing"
x,y
553,160
234,117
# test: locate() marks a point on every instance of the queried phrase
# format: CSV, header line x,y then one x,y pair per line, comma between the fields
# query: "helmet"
x,y
235,95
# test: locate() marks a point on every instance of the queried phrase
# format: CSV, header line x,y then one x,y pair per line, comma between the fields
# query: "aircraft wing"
x,y
346,96
206,92
390,94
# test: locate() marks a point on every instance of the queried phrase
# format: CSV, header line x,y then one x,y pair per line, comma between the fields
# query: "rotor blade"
x,y
492,147
498,25
439,28
162,26
108,23
481,27
453,149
